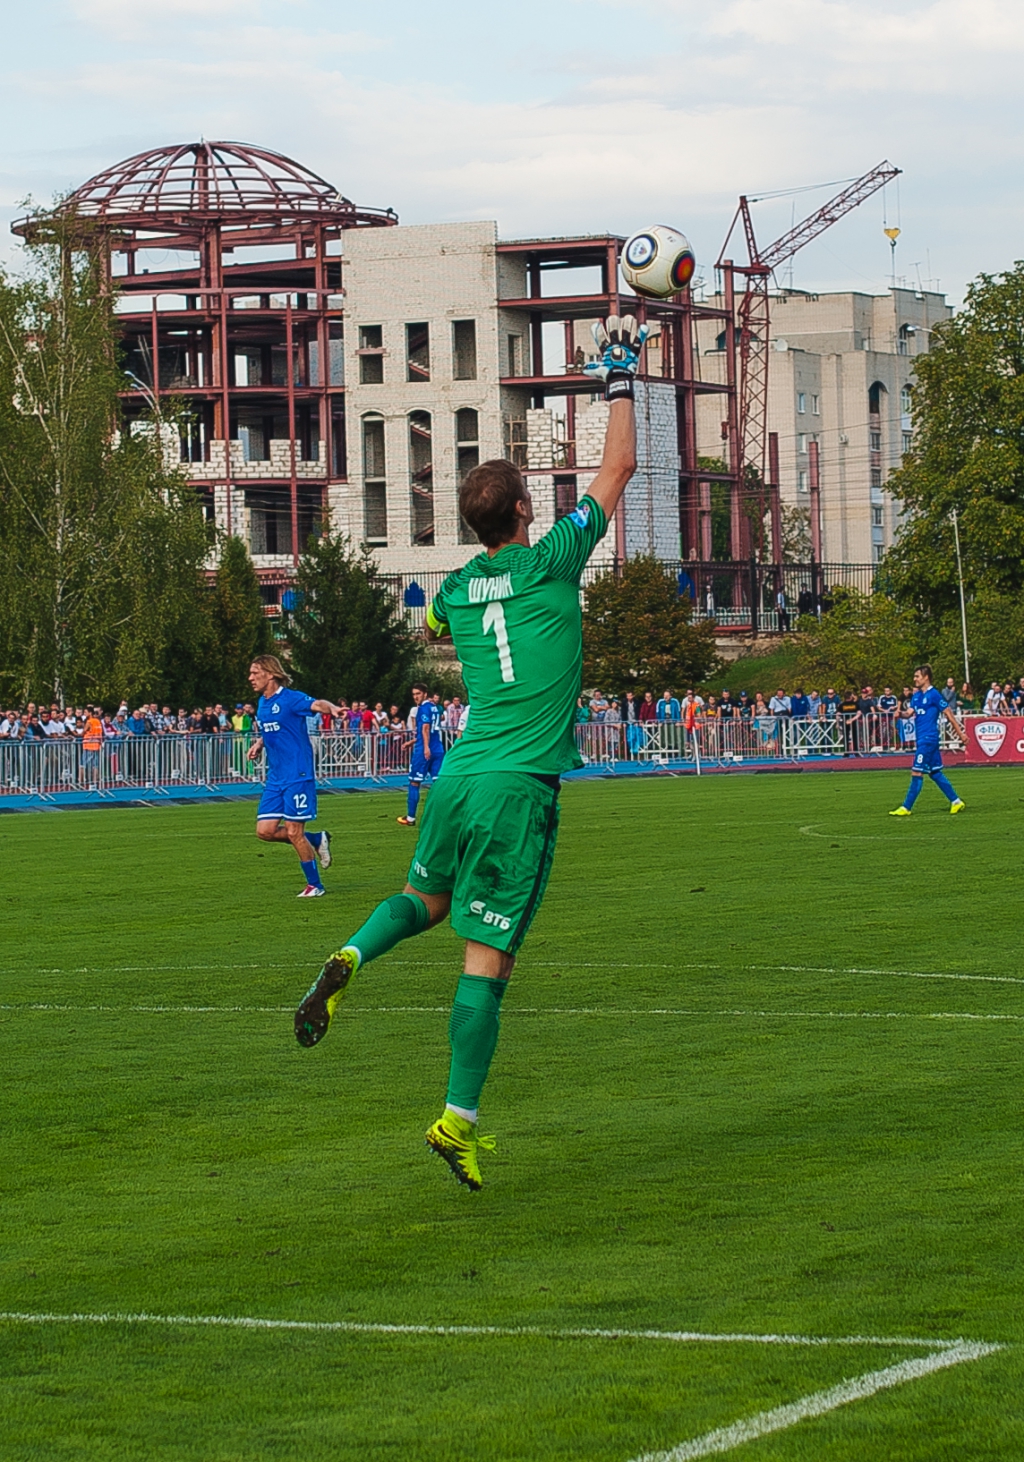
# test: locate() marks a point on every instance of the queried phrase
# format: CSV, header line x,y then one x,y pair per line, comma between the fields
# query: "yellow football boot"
x,y
457,1141
320,1002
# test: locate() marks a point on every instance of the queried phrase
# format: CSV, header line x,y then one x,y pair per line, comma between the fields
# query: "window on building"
x,y
514,356
371,355
876,477
464,350
801,441
802,482
417,351
908,440
905,400
875,392
875,441
375,496
903,339
801,402
467,456
421,478
877,552
815,405
565,496
876,516
515,442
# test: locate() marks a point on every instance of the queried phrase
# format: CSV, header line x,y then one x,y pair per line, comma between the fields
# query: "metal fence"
x,y
735,741
722,591
161,765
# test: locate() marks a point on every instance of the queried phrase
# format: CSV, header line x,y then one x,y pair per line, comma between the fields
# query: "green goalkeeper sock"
x,y
397,918
473,1032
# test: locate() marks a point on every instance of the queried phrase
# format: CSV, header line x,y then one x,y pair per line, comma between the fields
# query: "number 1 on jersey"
x,y
494,619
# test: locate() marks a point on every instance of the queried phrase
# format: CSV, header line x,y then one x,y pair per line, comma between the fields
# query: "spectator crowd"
x,y
93,728
882,718
853,720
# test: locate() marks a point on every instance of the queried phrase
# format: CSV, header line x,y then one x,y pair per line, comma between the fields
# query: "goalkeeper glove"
x,y
619,342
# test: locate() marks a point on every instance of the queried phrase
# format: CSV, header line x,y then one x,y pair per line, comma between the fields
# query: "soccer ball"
x,y
658,262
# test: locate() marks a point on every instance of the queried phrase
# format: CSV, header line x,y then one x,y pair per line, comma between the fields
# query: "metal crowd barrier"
x,y
161,764
733,741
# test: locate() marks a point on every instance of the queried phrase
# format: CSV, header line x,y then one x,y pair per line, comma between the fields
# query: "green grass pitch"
x,y
744,1087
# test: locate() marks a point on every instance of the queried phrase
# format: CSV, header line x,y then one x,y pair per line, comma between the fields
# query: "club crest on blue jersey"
x,y
581,515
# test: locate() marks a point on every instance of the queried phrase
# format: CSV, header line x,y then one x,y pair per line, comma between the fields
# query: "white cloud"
x,y
749,95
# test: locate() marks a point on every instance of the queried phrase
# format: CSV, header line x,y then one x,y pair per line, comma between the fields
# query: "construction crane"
x,y
748,423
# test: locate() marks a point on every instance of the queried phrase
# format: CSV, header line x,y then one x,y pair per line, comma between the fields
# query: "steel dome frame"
x,y
188,208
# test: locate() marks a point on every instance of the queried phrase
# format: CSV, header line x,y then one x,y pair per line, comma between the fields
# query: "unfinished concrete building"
x,y
329,365
326,364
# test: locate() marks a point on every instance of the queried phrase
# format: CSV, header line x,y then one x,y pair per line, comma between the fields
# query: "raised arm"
x,y
619,341
619,460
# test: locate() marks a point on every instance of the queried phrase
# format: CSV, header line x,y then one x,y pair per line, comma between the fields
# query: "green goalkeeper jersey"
x,y
515,620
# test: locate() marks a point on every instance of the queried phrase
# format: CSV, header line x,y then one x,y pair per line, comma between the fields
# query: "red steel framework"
x,y
187,320
677,319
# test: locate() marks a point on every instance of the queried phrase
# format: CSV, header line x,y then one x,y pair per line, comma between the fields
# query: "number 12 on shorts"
x,y
494,619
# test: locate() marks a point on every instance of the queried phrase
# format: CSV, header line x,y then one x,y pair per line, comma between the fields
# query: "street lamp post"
x,y
963,607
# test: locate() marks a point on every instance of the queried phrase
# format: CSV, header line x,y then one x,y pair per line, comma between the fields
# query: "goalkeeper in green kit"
x,y
488,836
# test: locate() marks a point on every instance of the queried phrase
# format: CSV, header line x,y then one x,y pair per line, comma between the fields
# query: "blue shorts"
x,y
294,801
928,759
419,767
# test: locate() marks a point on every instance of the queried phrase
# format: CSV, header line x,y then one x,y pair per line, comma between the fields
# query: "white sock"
x,y
469,1114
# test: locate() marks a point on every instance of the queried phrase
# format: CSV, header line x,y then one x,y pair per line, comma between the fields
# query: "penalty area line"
x,y
820,1403
531,1010
510,1332
903,974
423,964
943,1354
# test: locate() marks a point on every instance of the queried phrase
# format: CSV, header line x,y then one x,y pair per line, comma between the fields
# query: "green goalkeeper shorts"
x,y
488,840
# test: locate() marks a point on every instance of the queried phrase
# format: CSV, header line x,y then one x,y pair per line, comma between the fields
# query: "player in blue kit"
x,y
290,794
927,708
427,750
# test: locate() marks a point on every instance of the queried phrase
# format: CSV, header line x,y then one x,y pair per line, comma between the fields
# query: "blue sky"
x,y
560,117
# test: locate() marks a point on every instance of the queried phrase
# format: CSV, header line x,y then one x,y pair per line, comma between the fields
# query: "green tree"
x,y
968,454
866,639
240,628
101,548
995,627
349,637
638,632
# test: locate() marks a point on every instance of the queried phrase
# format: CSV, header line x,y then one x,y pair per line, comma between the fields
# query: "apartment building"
x,y
840,374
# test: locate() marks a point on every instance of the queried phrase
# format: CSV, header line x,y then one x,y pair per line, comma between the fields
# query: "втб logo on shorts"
x,y
490,916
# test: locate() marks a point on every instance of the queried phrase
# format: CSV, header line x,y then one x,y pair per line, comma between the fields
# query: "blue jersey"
x,y
928,707
281,720
428,714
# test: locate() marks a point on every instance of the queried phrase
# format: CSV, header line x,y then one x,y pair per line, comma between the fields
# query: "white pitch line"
x,y
426,964
820,1403
514,1010
511,1332
944,1353
903,974
554,964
